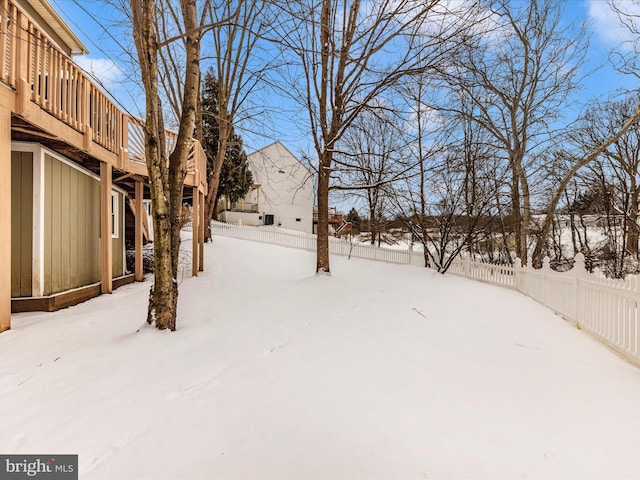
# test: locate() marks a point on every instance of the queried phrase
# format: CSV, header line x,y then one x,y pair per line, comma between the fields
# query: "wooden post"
x,y
517,273
5,219
546,269
201,231
195,229
87,139
23,44
139,225
125,142
579,271
22,65
106,245
85,119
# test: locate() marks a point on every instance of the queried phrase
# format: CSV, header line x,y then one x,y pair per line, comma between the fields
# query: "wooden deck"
x,y
337,222
335,218
53,99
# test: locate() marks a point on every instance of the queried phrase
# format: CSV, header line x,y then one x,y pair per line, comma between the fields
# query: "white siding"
x,y
286,188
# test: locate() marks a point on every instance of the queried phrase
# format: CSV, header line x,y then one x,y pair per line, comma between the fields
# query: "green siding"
x,y
74,277
65,201
72,228
93,245
81,215
21,223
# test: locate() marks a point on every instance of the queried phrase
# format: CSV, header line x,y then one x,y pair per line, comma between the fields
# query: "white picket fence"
x,y
501,275
307,241
605,308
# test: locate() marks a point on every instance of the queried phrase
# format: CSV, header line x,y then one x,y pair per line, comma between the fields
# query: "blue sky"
x,y
110,47
607,35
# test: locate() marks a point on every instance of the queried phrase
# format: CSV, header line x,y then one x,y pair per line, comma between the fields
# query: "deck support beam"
x,y
195,232
106,242
201,231
5,219
139,226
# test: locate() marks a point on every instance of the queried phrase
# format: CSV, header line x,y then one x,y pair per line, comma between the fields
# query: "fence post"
x,y
517,274
578,271
466,266
546,267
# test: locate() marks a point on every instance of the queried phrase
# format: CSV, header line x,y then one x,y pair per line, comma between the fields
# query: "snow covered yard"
x,y
378,371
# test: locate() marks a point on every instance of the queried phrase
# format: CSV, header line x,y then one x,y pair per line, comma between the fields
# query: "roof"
x,y
276,143
50,20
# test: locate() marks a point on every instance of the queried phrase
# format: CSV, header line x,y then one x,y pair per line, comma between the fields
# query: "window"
x,y
115,210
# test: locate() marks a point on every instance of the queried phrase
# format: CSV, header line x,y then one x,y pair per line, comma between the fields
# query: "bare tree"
x,y
609,188
625,59
577,161
368,160
349,54
447,229
239,73
519,80
413,206
622,161
166,175
449,203
230,34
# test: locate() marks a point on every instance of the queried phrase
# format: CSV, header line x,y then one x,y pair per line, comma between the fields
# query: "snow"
x,y
376,371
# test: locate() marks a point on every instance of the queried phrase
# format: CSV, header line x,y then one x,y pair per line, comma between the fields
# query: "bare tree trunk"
x,y
144,32
214,181
372,225
322,253
166,177
574,244
526,215
632,221
516,213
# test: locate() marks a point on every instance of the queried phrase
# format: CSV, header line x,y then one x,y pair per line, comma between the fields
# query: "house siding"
x,y
21,223
71,242
285,188
71,228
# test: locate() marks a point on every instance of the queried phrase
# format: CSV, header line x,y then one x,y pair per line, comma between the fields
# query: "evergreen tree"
x,y
235,177
354,217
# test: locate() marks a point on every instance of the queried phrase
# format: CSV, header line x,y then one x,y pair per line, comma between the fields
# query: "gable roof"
x,y
278,142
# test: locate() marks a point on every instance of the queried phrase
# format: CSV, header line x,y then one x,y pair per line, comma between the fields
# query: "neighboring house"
x,y
282,193
73,178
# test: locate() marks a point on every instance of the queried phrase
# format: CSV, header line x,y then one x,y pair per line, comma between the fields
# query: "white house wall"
x,y
286,187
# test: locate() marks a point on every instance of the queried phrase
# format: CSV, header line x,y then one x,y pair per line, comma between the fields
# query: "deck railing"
x,y
44,75
334,216
8,41
241,206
